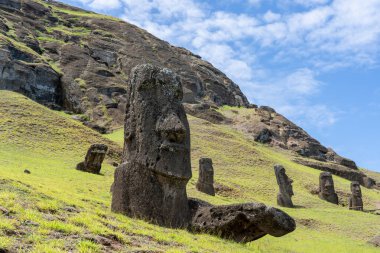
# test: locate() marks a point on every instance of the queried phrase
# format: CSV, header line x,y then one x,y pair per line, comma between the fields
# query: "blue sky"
x,y
315,61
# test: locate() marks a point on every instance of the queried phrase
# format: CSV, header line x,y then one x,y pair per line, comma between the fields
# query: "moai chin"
x,y
94,159
205,182
355,200
151,182
284,198
326,188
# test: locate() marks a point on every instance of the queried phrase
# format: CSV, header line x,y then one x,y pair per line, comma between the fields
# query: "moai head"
x,y
326,184
94,158
205,182
206,171
157,134
283,181
355,189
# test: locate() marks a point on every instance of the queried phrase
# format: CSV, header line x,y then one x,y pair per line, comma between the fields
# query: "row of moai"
x,y
326,190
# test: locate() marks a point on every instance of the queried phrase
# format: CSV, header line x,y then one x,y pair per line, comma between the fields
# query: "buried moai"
x,y
205,182
284,198
151,181
326,188
355,200
94,159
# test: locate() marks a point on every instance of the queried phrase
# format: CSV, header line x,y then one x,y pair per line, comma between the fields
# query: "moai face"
x,y
206,170
157,133
96,155
355,189
326,183
284,182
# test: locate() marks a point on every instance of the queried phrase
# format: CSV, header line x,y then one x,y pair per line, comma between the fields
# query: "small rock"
x,y
27,171
4,210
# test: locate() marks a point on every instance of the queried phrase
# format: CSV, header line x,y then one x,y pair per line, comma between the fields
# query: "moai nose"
x,y
172,128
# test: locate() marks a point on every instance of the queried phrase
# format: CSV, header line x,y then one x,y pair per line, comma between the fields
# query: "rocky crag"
x,y
68,58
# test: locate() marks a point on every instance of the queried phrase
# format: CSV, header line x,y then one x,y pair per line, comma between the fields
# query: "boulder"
x,y
241,222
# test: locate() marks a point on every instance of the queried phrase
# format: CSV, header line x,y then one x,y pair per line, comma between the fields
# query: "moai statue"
x,y
151,181
284,198
355,200
94,159
326,188
205,182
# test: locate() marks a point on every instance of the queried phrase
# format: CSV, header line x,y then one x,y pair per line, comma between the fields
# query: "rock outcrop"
x,y
151,182
375,241
94,159
205,182
95,54
240,222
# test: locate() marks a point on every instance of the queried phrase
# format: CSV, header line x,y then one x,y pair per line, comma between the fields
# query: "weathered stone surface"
x,y
151,182
368,182
94,159
240,222
205,111
375,241
12,4
355,201
205,182
326,188
19,72
332,156
284,198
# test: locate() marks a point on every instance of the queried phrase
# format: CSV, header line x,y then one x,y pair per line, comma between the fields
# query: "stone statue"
x,y
284,198
94,159
355,200
151,181
205,182
326,188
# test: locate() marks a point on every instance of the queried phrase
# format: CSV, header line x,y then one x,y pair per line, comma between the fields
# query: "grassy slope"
x,y
50,144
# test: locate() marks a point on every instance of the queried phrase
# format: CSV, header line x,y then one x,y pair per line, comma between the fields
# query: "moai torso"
x,y
355,200
205,182
326,188
284,198
151,182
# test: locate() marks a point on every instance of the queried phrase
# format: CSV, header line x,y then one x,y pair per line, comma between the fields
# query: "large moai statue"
x,y
284,198
151,181
205,182
355,200
94,159
326,188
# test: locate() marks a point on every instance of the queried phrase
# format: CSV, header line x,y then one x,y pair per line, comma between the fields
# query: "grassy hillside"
x,y
59,209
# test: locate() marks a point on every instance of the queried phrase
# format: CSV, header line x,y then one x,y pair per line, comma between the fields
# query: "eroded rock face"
x,y
326,188
94,159
240,222
205,182
375,241
284,198
151,182
11,4
19,72
368,182
355,200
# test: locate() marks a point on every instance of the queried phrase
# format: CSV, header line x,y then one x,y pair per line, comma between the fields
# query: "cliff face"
x,y
66,57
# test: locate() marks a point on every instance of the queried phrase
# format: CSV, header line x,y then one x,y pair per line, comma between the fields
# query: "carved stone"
x,y
151,182
205,182
94,159
284,198
326,188
355,200
241,222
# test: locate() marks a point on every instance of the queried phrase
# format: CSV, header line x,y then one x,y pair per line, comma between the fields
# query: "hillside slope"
x,y
59,209
66,57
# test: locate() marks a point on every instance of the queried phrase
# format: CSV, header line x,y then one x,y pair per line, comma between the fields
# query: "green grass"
x,y
50,144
